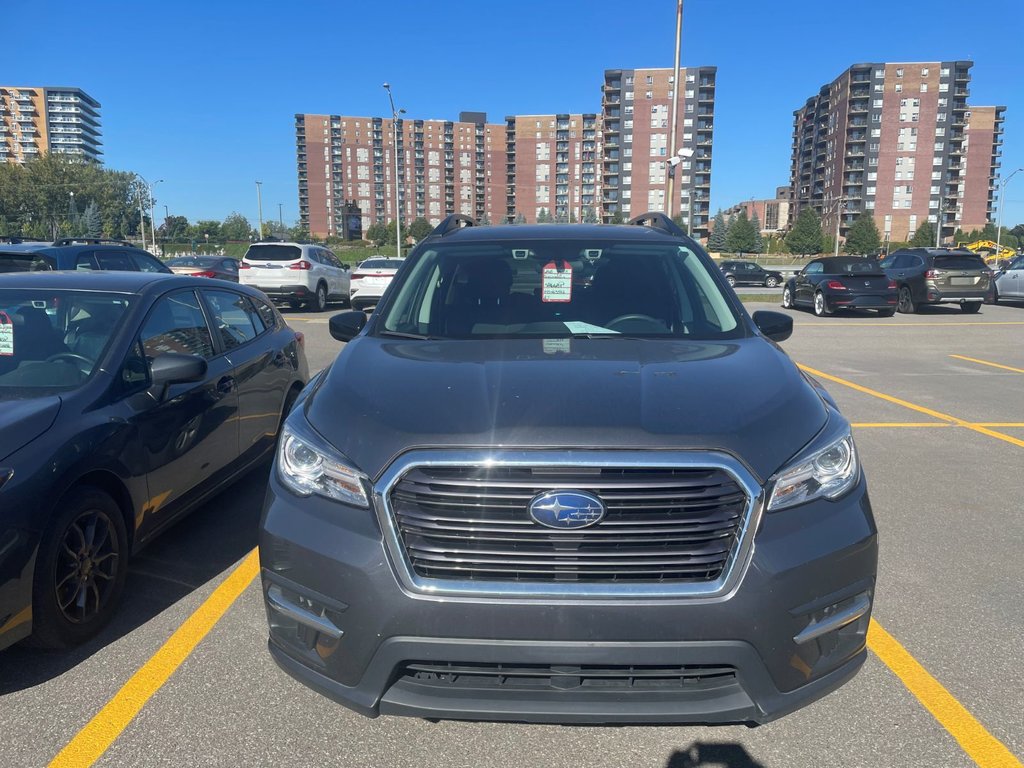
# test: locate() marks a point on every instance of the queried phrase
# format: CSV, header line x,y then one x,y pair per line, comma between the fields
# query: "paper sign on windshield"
x,y
556,284
6,335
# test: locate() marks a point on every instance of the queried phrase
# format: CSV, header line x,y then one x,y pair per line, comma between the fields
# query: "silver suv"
x,y
296,273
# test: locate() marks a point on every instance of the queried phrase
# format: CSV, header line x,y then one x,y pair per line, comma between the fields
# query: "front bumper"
x,y
793,630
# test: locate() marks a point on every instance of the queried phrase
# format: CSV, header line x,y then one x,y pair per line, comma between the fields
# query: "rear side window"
x,y
115,260
273,252
234,317
267,314
146,263
959,262
86,261
176,324
25,262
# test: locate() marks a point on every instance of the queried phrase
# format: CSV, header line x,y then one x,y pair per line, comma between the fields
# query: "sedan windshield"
x,y
559,288
51,340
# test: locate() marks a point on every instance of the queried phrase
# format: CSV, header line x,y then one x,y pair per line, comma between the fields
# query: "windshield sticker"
x,y
6,335
581,329
556,283
557,346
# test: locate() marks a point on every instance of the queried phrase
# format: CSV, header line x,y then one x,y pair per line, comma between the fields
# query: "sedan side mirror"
x,y
345,326
175,368
775,325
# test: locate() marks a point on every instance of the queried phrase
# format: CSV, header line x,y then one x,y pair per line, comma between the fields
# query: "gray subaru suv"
x,y
560,475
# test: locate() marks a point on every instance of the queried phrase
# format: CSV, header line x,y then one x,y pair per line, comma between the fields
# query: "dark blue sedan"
x,y
126,400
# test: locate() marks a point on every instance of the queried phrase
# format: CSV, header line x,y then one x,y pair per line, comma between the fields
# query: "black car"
x,y
537,484
939,276
80,254
841,282
749,273
126,400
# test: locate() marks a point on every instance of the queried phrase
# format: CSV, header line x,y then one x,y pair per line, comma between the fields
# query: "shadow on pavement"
x,y
182,560
701,755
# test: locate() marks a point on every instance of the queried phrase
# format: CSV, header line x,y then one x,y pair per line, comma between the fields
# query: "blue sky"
x,y
203,94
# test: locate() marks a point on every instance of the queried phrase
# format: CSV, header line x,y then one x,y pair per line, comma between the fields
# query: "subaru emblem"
x,y
566,510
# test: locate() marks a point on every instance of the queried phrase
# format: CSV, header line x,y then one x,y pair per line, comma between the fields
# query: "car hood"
x,y
745,397
22,421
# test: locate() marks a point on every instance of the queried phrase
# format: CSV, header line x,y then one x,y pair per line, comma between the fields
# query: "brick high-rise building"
x,y
553,167
897,140
637,114
34,121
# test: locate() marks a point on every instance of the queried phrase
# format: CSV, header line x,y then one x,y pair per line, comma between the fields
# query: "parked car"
x,y
834,283
371,278
126,400
298,274
529,499
1009,284
219,267
939,276
749,273
79,254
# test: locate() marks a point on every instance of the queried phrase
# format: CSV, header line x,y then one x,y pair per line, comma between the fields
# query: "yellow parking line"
x,y
912,406
899,424
986,362
980,745
95,738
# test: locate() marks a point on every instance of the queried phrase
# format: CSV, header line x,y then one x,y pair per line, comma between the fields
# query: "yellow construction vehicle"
x,y
991,252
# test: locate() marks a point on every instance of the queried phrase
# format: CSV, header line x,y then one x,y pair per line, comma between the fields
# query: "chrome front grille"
x,y
664,525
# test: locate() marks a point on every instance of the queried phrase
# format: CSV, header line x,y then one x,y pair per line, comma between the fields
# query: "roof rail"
x,y
658,220
451,224
90,241
15,239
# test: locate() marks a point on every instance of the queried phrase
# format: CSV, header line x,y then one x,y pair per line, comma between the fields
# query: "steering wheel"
x,y
634,317
70,356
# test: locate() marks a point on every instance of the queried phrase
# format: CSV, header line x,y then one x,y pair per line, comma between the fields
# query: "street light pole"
x,y
394,135
280,215
999,215
259,206
839,213
670,169
152,211
142,213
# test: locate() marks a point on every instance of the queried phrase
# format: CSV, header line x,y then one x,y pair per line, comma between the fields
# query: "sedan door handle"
x,y
225,385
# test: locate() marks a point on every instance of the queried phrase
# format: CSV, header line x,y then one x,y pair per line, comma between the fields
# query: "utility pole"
x,y
999,216
280,215
839,212
670,168
259,204
394,134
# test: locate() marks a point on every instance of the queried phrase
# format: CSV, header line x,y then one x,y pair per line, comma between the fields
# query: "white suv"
x,y
296,273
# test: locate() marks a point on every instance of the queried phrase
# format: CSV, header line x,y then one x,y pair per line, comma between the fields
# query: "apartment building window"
x,y
876,133
629,97
689,93
627,180
879,73
877,103
876,118
898,88
648,95
910,175
939,145
940,131
691,78
629,79
628,109
936,175
873,146
880,87
944,72
650,80
869,205
899,175
627,167
899,72
627,151
872,175
935,189
924,71
872,161
943,87
940,117
924,87
870,190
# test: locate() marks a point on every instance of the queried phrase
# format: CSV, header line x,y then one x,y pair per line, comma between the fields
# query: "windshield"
x,y
856,266
273,253
381,264
25,261
51,340
559,288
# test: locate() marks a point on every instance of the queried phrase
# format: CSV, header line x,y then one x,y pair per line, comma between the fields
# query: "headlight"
x,y
828,474
306,464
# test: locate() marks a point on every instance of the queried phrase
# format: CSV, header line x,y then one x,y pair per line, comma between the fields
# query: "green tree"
x,y
520,219
377,233
924,237
92,224
805,237
740,236
589,215
174,229
543,217
617,218
419,229
235,227
863,237
716,240
758,240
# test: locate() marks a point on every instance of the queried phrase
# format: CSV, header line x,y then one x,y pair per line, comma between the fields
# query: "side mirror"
x,y
175,368
345,326
775,325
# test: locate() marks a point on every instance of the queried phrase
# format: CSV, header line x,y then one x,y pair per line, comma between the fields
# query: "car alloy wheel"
x,y
787,298
906,304
819,305
771,282
319,303
730,280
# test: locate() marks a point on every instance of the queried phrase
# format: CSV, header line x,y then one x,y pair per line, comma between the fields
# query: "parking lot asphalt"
x,y
935,400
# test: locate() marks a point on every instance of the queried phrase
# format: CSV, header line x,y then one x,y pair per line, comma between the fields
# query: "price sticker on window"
x,y
6,335
556,282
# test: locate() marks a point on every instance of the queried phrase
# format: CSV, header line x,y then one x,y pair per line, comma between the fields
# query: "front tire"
x,y
906,302
730,280
970,307
771,282
80,570
820,307
787,298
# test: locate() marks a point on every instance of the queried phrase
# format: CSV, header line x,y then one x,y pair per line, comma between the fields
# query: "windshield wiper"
x,y
400,335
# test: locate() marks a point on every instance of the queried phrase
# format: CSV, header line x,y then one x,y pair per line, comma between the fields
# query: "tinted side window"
x,y
267,313
176,324
86,261
146,263
115,260
234,318
814,268
331,259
